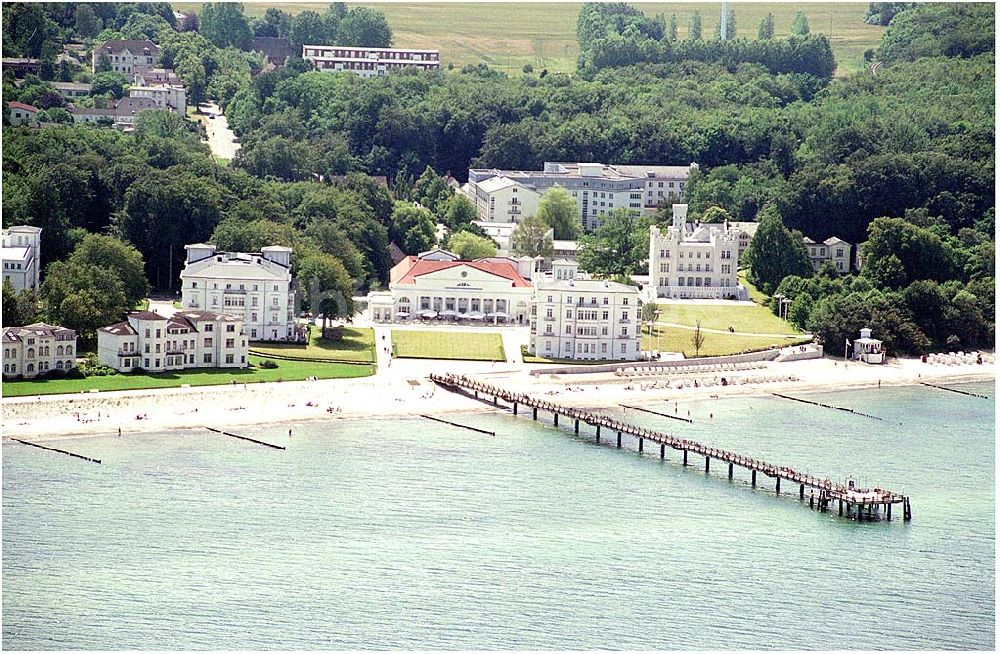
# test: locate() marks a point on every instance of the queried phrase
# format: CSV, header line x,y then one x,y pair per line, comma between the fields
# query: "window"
x,y
146,348
230,342
207,358
229,358
569,313
208,327
569,329
625,301
208,342
147,333
230,328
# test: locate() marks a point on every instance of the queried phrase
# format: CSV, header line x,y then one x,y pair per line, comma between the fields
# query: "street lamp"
x,y
656,317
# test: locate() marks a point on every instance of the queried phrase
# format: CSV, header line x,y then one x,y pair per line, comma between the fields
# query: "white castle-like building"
x,y
258,286
695,260
508,196
22,256
145,340
37,349
584,319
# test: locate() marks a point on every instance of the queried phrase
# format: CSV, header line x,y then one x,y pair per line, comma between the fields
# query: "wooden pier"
x,y
858,503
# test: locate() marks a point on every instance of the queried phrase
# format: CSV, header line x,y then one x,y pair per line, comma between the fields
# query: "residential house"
x,y
145,340
37,349
22,256
694,260
21,66
126,56
20,113
438,284
156,77
369,62
585,319
597,189
166,97
122,115
72,90
258,286
832,249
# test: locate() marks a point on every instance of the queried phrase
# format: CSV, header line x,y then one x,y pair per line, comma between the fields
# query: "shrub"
x,y
268,364
334,333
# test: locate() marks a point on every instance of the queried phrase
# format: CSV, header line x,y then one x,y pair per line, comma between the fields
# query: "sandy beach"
x,y
403,389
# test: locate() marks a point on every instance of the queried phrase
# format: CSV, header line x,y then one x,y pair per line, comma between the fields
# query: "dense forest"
x,y
900,156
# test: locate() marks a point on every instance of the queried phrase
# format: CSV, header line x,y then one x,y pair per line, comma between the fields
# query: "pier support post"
x,y
869,511
663,451
576,426
753,479
495,400
640,446
802,491
555,419
515,408
777,485
619,440
888,511
534,413
730,470
812,500
707,459
840,507
598,438
477,394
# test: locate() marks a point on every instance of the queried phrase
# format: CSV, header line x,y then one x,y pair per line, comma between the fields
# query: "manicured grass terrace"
x,y
753,320
358,345
468,346
286,371
678,339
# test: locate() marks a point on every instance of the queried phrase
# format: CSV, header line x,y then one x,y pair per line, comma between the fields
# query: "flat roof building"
x,y
369,62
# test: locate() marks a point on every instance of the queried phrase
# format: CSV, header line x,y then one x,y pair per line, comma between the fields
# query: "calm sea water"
x,y
409,534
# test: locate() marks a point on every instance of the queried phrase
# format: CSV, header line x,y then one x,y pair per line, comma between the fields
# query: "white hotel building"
x,y
695,260
438,285
37,349
510,195
585,319
369,62
22,256
257,286
188,339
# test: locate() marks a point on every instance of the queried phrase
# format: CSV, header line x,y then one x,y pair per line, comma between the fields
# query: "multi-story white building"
x,y
438,284
37,349
167,97
155,77
72,90
126,56
587,319
694,260
145,340
369,62
832,249
510,195
22,256
257,285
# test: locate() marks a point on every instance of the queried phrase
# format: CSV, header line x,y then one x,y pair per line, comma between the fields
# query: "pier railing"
x,y
851,496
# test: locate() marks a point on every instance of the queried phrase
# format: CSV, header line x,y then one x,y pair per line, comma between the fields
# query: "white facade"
x,y
258,286
585,319
868,349
20,113
37,349
189,339
694,261
437,285
167,97
126,56
22,256
597,188
369,62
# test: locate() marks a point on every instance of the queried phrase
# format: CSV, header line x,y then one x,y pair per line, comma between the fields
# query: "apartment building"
x,y
155,77
694,260
832,249
258,286
509,195
369,62
126,56
165,97
37,349
585,319
145,340
21,252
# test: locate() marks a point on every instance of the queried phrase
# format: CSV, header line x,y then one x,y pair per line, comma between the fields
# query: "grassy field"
x,y
468,346
358,345
286,371
753,320
677,339
756,294
508,36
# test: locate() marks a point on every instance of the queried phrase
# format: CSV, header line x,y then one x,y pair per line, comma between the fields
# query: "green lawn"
x,y
676,339
469,346
756,295
286,371
742,318
358,345
509,36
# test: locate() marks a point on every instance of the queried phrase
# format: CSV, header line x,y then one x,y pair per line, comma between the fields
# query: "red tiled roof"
x,y
21,105
407,270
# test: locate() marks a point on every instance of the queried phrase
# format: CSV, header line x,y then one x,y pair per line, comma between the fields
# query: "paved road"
x,y
220,137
